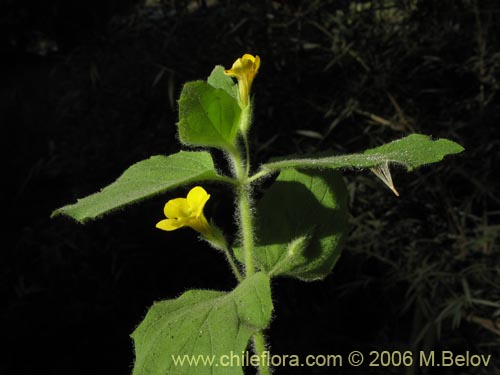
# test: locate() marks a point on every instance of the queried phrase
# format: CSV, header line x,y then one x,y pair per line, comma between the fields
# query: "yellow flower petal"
x,y
188,212
245,66
252,62
196,198
170,224
176,208
201,225
244,70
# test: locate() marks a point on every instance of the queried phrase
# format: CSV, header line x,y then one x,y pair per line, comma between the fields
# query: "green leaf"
x,y
202,325
143,180
412,151
208,116
219,80
301,223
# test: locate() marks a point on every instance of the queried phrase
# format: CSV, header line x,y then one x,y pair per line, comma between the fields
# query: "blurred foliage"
x,y
90,88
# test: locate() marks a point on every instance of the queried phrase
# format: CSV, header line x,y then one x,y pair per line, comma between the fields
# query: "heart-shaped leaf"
x,y
196,333
301,222
208,116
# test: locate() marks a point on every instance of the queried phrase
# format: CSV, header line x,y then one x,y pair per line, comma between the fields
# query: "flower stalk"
x,y
188,212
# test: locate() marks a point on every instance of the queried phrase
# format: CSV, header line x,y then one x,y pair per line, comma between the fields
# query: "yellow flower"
x,y
244,70
187,212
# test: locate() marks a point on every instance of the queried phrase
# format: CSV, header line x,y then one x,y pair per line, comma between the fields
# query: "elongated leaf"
x,y
219,80
142,180
412,151
193,333
208,116
301,223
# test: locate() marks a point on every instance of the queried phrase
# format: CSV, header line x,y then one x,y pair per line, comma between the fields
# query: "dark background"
x,y
89,87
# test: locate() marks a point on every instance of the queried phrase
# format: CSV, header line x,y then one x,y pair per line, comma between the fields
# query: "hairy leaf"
x,y
219,80
208,116
143,180
202,325
412,151
301,223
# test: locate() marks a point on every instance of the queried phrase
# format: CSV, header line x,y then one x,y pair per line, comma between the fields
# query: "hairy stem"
x,y
244,212
259,175
246,224
232,263
259,344
247,155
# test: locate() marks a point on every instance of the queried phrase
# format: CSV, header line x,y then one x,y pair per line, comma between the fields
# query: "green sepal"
x,y
202,324
411,152
219,80
142,180
208,116
300,226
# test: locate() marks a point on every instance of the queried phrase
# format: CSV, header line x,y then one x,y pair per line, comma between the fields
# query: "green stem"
x,y
243,194
239,173
226,179
259,344
259,175
244,213
247,155
246,224
244,125
232,263
216,238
